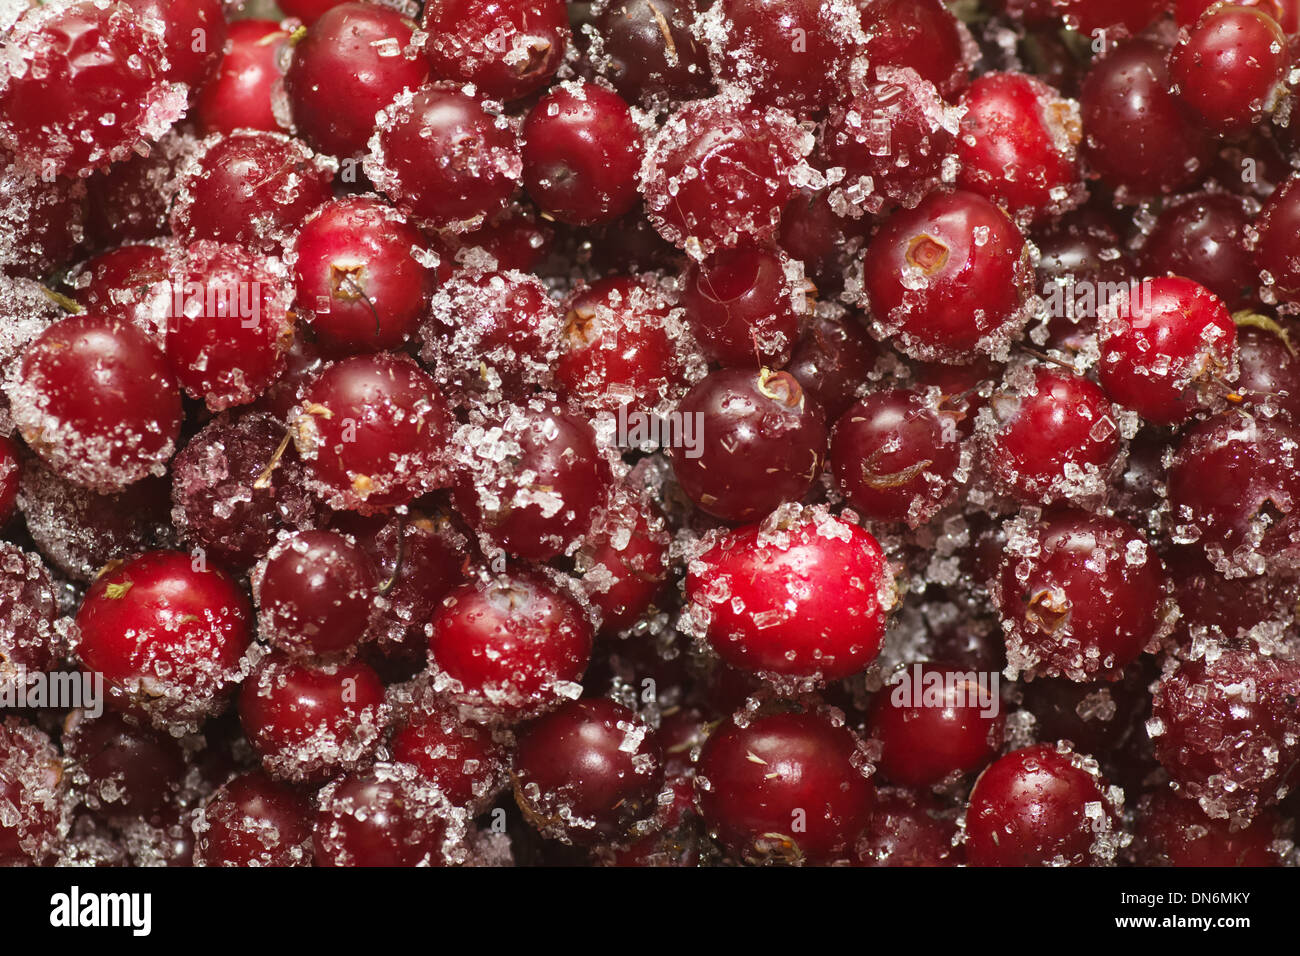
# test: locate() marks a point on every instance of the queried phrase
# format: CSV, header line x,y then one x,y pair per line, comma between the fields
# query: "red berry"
x,y
507,48
1202,237
908,829
194,36
122,770
31,783
833,360
29,641
243,93
744,305
253,820
10,474
921,34
624,563
462,760
1276,254
648,51
1229,68
1172,831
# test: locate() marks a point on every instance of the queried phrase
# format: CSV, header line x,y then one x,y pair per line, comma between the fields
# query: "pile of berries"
x,y
650,432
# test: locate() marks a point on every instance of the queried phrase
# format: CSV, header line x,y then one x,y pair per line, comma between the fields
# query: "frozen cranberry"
x,y
624,564
253,820
32,784
532,479
1172,831
249,187
1268,369
1188,12
372,431
1227,611
753,595
1276,252
130,201
28,610
96,399
1228,69
131,284
243,93
507,48
716,174
10,475
1136,135
935,721
761,442
1080,595
462,760
512,646
71,66
44,221
648,51
1081,268
194,36
382,816
308,722
356,275
371,46
892,136
1040,806
315,595
895,455
1227,730
618,347
744,306
1018,146
494,333
908,829
440,153
582,153
517,239
921,34
166,633
121,769
1053,435
947,279
229,323
833,360
1202,237
587,771
1166,348
784,788
1116,16
785,53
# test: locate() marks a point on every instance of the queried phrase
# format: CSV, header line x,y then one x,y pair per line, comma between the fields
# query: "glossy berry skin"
x,y
1227,731
315,595
538,500
587,771
1118,16
1268,373
308,11
895,456
507,48
45,220
28,612
461,759
921,34
249,187
70,65
233,490
1032,808
1137,136
753,597
194,36
624,564
716,174
582,153
166,635
308,722
1080,596
935,289
382,816
97,400
129,283
1174,831
125,770
832,361
908,828
228,324
1056,436
240,96
1018,146
1276,249
32,783
372,432
617,347
933,724
1202,237
740,304
784,788
762,442
356,277
510,643
1229,67
371,45
638,60
438,153
1165,348
252,820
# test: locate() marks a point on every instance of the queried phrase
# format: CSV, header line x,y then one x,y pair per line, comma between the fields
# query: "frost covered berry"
x,y
252,820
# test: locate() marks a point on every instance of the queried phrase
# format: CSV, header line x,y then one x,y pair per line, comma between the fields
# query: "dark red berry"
x,y
1228,69
253,820
744,305
506,48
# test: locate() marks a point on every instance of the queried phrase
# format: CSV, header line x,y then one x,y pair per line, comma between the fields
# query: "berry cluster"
x,y
650,432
